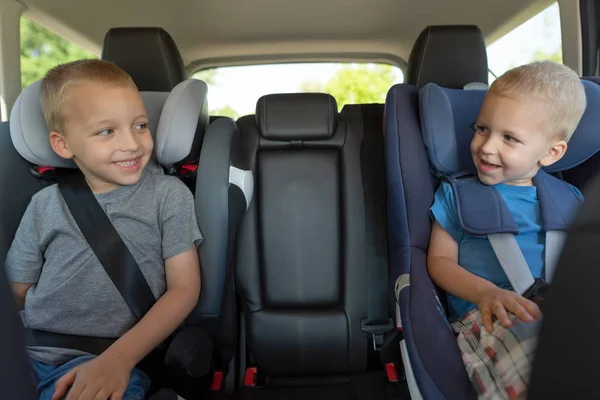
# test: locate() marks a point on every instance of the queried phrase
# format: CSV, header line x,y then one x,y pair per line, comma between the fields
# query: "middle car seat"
x,y
306,250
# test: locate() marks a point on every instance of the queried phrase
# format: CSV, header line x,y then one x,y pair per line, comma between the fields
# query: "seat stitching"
x,y
423,56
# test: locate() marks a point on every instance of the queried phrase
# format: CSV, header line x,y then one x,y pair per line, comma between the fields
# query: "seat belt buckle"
x,y
41,172
186,169
217,381
390,370
377,331
250,377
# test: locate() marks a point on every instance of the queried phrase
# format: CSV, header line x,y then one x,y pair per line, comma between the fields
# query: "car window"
x,y
42,49
539,38
234,91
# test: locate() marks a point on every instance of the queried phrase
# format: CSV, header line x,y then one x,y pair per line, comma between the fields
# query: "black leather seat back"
x,y
155,65
301,256
451,56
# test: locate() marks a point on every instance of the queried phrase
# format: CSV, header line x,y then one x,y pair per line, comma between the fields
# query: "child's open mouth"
x,y
128,164
487,167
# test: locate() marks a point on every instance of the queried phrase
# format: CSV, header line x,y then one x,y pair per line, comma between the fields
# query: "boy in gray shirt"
x,y
97,118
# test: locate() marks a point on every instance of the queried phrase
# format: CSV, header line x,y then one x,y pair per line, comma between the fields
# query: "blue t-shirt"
x,y
476,254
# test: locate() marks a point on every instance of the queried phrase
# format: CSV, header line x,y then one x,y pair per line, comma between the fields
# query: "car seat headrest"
x,y
595,79
156,65
297,116
449,55
173,119
447,116
183,122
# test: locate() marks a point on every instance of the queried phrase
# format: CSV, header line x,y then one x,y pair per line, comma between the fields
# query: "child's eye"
x,y
480,128
510,139
141,127
105,132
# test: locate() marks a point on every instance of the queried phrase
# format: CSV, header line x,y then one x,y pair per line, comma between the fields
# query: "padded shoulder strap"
x,y
480,209
558,201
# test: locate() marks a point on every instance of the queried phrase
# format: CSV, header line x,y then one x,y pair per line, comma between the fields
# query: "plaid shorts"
x,y
498,363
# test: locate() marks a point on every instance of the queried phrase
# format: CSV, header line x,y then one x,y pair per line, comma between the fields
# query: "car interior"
x,y
314,213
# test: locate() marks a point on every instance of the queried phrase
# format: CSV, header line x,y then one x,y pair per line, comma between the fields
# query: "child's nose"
x,y
129,142
489,146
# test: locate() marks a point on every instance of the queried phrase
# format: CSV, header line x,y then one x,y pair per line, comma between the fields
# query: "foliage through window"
x,y
538,38
41,50
234,91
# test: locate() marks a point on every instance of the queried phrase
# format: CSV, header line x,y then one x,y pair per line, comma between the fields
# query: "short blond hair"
x,y
554,84
59,81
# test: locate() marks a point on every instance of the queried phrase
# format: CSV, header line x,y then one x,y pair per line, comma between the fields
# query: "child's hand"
x,y
497,301
104,377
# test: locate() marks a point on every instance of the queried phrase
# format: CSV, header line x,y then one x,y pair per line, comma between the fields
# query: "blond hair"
x,y
59,81
556,85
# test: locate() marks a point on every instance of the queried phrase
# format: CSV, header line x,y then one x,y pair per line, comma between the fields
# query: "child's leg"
x,y
498,362
48,374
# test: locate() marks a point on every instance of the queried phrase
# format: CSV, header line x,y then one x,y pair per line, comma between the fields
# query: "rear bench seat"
x,y
305,249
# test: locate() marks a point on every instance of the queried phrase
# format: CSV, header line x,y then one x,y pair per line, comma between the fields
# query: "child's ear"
x,y
59,145
554,153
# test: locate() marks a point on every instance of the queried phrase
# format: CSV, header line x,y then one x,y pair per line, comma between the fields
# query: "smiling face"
x,y
512,140
106,133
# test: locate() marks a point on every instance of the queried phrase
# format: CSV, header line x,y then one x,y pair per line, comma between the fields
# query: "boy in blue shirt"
x,y
525,122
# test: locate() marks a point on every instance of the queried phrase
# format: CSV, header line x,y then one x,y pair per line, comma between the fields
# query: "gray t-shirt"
x,y
72,293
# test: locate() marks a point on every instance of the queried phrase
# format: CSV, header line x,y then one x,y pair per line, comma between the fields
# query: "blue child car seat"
x,y
427,137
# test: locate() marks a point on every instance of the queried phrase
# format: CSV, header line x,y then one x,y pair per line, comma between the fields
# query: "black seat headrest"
x,y
448,55
297,116
149,55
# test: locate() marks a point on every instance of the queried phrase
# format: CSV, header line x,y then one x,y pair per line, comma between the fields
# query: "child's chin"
x,y
487,180
127,181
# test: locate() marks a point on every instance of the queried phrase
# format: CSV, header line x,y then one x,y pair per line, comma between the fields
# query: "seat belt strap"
x,y
512,261
88,344
106,243
555,241
378,320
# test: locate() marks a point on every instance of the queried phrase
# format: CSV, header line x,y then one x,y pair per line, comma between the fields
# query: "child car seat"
x,y
428,135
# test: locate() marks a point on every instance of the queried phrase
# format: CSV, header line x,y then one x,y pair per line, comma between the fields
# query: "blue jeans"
x,y
48,374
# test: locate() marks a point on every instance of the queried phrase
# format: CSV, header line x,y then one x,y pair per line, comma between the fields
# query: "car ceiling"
x,y
219,32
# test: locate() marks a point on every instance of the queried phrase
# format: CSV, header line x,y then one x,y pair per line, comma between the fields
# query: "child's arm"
x,y
108,374
183,291
24,259
442,264
20,291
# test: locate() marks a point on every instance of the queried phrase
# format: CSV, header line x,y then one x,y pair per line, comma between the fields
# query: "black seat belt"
x,y
113,254
378,321
106,243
